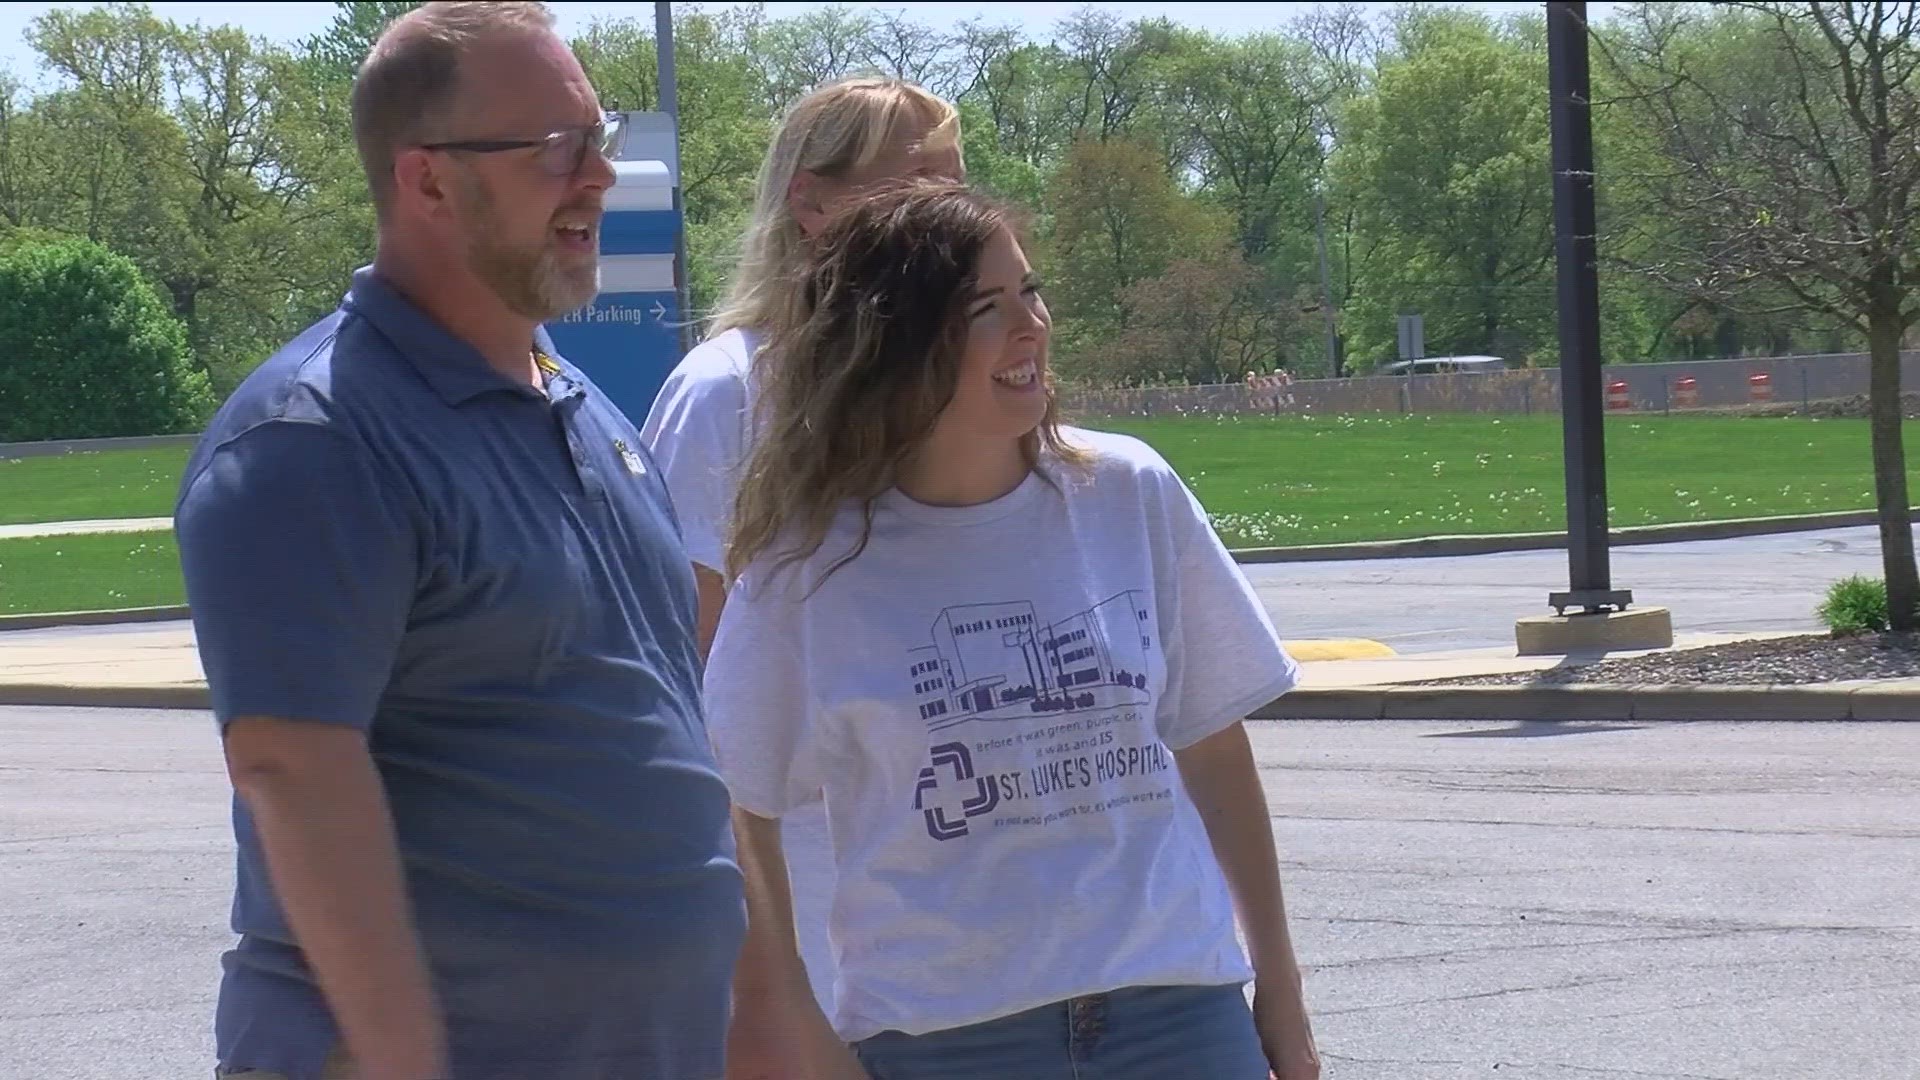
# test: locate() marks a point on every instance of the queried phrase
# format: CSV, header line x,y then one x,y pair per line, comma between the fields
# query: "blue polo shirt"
x,y
379,531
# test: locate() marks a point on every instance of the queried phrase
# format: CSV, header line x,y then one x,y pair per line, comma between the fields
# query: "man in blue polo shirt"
x,y
448,627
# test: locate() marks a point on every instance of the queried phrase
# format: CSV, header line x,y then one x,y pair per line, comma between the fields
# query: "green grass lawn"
x,y
1313,480
89,572
90,486
1266,480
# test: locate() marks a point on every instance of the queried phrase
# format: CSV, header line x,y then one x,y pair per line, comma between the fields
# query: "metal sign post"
x,y
1413,337
670,105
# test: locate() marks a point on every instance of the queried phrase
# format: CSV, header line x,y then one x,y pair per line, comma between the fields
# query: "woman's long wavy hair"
x,y
866,353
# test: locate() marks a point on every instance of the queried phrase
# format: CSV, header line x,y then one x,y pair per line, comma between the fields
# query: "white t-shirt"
x,y
697,432
989,696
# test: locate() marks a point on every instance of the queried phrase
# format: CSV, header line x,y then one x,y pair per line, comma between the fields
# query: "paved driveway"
x,y
1542,902
1753,584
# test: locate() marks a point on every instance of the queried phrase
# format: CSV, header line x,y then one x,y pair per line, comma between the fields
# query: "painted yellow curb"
x,y
1338,649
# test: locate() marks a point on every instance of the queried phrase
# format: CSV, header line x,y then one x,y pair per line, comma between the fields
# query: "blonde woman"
x,y
832,143
1015,657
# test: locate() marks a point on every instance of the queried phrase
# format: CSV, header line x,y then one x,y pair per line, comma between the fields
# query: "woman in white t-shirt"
x,y
1016,658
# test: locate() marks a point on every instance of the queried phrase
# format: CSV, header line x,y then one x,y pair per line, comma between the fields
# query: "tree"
x,y
1118,218
199,154
1110,67
350,35
1789,135
1207,319
1447,159
621,61
991,167
912,50
1343,44
91,350
1248,108
1019,86
798,54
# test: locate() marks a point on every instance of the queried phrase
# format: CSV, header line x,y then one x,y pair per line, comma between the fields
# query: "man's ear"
x,y
418,180
804,202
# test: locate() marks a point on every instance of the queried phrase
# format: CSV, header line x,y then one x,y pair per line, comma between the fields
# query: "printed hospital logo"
x,y
948,792
1035,721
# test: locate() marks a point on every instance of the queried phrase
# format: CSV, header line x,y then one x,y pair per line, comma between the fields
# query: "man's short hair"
x,y
410,78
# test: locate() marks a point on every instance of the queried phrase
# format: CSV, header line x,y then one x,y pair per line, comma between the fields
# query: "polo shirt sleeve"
x,y
763,717
1224,657
300,564
694,433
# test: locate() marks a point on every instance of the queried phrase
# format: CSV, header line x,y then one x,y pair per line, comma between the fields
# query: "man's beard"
x,y
536,283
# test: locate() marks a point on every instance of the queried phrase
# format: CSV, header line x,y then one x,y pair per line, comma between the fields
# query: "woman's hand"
x,y
1224,783
785,1036
1280,1015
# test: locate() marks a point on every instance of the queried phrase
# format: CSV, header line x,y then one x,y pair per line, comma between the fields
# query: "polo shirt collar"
x,y
455,369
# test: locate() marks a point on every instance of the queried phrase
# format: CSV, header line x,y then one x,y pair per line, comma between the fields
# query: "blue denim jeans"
x,y
1139,1033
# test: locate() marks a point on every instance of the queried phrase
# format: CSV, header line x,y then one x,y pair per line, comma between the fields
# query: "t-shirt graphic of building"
x,y
999,661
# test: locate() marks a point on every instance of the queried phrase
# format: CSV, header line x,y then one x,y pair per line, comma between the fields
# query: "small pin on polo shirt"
x,y
627,455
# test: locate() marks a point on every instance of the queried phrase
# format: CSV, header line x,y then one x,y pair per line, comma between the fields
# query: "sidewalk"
x,y
156,666
70,528
141,667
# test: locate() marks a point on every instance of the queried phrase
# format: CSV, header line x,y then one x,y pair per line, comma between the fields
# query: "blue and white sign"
x,y
628,338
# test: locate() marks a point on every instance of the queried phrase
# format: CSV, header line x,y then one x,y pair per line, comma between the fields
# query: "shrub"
x,y
1855,605
89,350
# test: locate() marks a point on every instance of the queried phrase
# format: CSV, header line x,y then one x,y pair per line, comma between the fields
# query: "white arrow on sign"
x,y
659,311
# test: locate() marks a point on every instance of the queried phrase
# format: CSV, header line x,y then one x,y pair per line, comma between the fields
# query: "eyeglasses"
x,y
558,154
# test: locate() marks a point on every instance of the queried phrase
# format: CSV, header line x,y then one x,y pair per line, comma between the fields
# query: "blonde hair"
x,y
832,131
411,77
862,366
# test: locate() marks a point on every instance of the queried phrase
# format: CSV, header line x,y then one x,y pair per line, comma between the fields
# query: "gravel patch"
x,y
1814,658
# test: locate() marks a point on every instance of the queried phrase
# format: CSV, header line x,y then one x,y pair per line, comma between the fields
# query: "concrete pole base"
x,y
1607,631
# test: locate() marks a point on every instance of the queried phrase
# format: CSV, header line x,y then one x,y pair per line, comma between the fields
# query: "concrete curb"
x,y
1578,703
110,617
176,696
81,446
1494,543
1589,702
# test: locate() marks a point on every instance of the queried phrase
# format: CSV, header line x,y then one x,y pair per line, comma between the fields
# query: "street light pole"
x,y
1576,249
